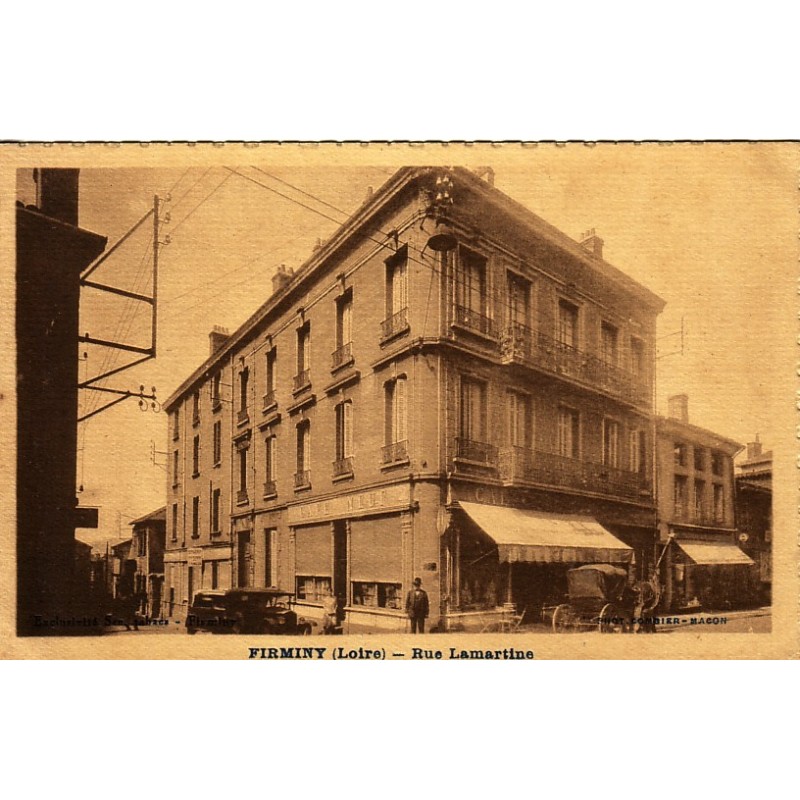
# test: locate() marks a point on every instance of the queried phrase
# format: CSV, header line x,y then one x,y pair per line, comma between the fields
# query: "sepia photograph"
x,y
521,401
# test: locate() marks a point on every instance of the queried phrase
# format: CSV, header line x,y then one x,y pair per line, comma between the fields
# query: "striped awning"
x,y
537,537
715,553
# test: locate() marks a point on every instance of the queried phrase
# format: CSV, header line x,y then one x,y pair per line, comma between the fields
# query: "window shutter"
x,y
400,406
348,429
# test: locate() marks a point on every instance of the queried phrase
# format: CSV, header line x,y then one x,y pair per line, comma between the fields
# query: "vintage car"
x,y
246,610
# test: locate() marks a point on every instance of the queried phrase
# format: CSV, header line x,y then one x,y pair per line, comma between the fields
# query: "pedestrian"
x,y
330,607
417,607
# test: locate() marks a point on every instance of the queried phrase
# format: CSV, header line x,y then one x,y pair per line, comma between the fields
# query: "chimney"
x,y
281,277
678,407
57,193
754,449
217,338
592,242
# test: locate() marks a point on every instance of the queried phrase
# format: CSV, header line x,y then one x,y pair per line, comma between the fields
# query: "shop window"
x,y
377,595
313,587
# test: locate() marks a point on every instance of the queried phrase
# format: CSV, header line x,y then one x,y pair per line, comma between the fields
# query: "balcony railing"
x,y
480,452
524,464
302,379
474,321
394,325
397,451
520,344
242,416
342,467
342,355
302,479
242,497
270,489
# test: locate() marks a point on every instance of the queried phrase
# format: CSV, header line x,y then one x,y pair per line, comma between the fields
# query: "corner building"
x,y
448,388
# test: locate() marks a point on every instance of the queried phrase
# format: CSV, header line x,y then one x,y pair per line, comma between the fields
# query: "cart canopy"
x,y
596,581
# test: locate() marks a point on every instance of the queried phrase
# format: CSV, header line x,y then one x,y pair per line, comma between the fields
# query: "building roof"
x,y
125,544
373,205
159,515
685,430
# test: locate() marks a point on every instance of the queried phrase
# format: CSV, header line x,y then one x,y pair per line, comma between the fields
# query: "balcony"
x,y
394,325
242,416
474,321
395,453
302,479
522,345
302,381
343,467
242,498
478,452
342,356
270,401
521,464
270,489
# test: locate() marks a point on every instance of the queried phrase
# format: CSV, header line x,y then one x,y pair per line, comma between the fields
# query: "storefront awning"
x,y
715,553
533,536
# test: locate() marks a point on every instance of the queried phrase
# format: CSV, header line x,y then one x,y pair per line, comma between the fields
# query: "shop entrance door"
x,y
340,588
243,560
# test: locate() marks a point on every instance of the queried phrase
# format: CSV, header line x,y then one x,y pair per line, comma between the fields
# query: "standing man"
x,y
417,607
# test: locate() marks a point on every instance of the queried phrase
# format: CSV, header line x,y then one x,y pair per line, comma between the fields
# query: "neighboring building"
x,y
702,565
122,571
467,400
754,512
148,539
51,253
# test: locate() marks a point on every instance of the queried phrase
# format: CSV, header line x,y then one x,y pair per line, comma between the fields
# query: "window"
x,y
196,408
313,587
196,456
396,424
175,475
719,503
699,459
519,420
377,595
244,378
518,294
174,522
271,455
215,511
217,442
568,433
472,420
717,463
195,517
680,454
270,378
270,557
303,375
343,354
214,567
610,443
176,425
216,396
608,343
343,464
567,334
303,473
638,452
243,470
397,283
637,357
471,281
679,496
699,499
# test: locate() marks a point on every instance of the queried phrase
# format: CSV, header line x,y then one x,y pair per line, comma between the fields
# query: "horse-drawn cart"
x,y
599,599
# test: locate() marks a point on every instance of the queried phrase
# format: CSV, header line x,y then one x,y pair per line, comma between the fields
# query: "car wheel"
x,y
305,630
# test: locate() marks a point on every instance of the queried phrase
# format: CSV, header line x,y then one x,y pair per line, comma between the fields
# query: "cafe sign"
x,y
358,504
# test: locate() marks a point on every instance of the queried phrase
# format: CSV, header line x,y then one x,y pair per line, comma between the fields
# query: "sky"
x,y
704,227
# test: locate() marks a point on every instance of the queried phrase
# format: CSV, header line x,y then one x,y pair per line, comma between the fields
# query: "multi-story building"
x,y
702,566
449,388
148,538
754,512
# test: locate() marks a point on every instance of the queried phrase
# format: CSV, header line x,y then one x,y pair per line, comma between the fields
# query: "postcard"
x,y
400,401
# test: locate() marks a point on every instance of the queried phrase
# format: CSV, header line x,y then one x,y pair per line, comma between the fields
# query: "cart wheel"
x,y
560,619
611,620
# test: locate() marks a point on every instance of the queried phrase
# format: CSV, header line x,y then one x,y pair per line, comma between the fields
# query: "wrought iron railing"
x,y
394,325
519,343
302,479
342,355
302,379
538,466
343,466
481,452
396,451
474,320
